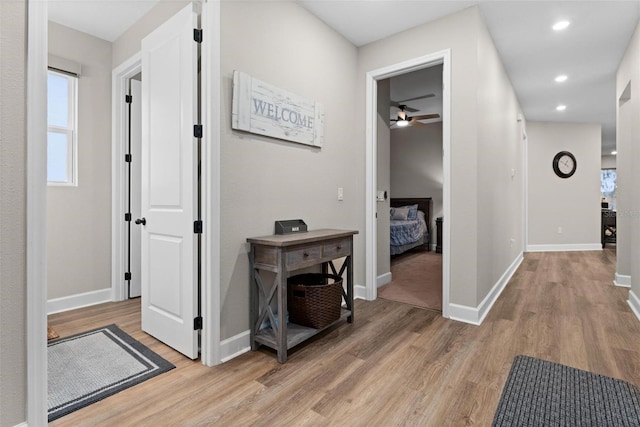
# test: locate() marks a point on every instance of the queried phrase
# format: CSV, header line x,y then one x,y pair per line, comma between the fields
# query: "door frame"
x,y
37,51
441,57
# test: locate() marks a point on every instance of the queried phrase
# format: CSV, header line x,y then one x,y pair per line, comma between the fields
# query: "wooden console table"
x,y
282,254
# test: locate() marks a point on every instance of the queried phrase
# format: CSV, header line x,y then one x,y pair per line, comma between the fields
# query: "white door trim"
x,y
442,57
37,23
119,136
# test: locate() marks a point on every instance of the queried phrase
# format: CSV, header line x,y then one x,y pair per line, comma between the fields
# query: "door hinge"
x,y
197,131
197,227
127,217
197,35
127,158
128,99
127,275
197,323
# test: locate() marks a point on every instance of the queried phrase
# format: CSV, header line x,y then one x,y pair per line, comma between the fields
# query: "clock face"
x,y
564,164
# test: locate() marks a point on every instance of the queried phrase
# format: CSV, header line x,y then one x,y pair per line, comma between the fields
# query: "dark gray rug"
x,y
87,367
541,393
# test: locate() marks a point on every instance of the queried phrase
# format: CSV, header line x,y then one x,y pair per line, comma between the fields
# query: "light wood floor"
x,y
397,365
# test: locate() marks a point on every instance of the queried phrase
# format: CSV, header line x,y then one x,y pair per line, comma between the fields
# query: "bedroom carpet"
x,y
417,280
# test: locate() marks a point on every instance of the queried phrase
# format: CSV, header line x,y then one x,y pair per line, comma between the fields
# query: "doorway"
x,y
410,167
443,58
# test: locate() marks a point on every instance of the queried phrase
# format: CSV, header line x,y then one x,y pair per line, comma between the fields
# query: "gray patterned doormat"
x,y
541,393
87,367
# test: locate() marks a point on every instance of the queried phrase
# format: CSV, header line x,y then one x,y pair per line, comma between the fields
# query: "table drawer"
x,y
336,248
300,257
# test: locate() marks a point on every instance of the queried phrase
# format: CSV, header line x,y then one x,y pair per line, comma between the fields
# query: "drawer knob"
x,y
305,254
339,247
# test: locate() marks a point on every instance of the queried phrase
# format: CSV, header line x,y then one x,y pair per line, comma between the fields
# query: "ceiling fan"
x,y
405,120
397,104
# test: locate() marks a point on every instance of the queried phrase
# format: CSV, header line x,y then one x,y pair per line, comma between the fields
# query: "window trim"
x,y
71,131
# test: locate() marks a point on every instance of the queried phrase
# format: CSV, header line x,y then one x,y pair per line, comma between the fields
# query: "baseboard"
x,y
58,305
565,247
22,425
634,303
383,279
235,346
622,280
360,292
476,315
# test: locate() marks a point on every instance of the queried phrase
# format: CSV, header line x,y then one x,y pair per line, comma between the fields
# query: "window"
x,y
61,129
608,187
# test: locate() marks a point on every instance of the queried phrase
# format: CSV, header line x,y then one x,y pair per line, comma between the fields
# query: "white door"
x,y
169,196
135,128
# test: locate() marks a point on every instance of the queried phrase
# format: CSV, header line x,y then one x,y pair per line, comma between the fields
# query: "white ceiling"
x,y
589,51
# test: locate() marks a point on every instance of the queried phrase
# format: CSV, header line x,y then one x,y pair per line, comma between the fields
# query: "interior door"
x,y
134,176
169,184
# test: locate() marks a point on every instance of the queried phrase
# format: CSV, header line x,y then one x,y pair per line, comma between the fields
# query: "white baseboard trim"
x,y
622,280
565,247
58,305
360,292
476,315
383,279
634,303
24,424
235,346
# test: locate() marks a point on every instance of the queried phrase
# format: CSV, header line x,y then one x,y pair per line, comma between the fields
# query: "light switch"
x,y
340,193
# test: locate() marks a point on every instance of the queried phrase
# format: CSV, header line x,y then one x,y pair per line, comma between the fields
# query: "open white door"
x,y
169,183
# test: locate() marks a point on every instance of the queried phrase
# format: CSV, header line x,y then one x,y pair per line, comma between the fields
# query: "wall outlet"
x,y
340,193
559,230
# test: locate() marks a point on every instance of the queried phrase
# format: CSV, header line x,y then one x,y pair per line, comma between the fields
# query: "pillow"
x,y
413,211
401,214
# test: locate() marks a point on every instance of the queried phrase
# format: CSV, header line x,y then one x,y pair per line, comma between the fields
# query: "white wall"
x,y
79,217
628,146
572,203
384,181
264,179
474,80
416,165
13,239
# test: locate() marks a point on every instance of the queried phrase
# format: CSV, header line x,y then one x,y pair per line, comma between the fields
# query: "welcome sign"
x,y
263,109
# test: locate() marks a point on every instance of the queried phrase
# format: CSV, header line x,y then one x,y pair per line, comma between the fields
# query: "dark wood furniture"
x,y
439,224
283,254
424,205
608,227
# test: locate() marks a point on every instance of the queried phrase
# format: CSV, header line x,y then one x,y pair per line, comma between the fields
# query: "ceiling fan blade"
x,y
414,122
426,116
429,95
398,105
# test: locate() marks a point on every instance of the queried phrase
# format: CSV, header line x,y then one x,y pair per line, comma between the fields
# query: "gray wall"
x,y
13,241
416,165
572,203
384,178
79,217
264,179
479,122
128,44
628,146
608,162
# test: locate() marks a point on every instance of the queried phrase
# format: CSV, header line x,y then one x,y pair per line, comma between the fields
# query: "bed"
x,y
411,230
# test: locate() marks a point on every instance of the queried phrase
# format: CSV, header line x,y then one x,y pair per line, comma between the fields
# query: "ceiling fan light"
x,y
561,78
561,25
561,107
402,123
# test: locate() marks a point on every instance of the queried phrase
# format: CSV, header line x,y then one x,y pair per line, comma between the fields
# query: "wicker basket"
x,y
313,301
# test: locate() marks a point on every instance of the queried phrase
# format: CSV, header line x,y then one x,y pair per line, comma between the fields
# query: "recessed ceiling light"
x,y
561,78
561,107
614,152
561,25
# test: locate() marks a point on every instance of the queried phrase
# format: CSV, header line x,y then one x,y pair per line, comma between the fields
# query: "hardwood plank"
x,y
396,365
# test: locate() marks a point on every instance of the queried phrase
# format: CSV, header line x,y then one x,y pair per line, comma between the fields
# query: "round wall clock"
x,y
564,164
